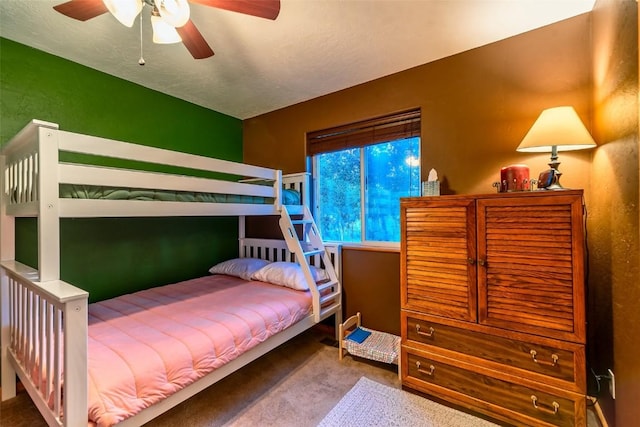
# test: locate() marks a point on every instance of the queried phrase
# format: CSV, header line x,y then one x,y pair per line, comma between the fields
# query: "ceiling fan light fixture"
x,y
170,19
124,11
163,33
174,12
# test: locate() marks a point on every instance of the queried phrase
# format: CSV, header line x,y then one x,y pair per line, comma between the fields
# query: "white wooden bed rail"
x,y
33,173
22,168
44,341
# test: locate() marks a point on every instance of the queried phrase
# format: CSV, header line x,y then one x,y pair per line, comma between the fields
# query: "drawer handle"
x,y
540,407
554,359
422,371
425,334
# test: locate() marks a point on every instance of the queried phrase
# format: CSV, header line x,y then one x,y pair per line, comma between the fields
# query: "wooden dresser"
x,y
493,304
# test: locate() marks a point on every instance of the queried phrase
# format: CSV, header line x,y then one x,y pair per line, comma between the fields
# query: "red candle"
x,y
514,178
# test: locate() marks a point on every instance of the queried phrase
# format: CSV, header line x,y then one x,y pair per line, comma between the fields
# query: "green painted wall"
x,y
109,257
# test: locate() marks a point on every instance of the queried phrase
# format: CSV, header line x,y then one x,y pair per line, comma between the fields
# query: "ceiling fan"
x,y
169,18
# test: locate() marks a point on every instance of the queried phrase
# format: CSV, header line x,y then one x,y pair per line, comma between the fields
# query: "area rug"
x,y
370,403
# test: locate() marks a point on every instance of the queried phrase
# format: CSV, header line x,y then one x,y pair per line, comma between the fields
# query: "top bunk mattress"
x,y
148,345
73,191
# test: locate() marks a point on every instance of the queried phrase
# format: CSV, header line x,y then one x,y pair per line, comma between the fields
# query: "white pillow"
x,y
288,274
239,267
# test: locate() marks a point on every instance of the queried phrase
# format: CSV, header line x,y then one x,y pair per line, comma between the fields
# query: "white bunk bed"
x,y
44,319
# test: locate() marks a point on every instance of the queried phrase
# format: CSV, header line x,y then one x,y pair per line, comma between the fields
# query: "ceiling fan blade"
x,y
269,9
194,42
82,9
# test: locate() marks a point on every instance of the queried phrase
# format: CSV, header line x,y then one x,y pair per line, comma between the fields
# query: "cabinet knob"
x,y
482,262
471,261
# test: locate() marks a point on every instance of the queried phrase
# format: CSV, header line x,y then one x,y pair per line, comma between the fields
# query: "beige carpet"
x,y
371,404
295,385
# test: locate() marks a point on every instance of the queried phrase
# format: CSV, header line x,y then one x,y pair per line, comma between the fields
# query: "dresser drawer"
x,y
562,363
501,398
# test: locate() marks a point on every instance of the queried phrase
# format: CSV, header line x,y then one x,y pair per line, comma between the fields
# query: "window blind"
x,y
401,125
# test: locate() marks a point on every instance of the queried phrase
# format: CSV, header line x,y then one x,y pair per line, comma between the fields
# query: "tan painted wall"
x,y
476,108
614,220
372,287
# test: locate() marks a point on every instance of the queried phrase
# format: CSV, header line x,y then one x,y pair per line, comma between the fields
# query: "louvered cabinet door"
x,y
531,264
438,272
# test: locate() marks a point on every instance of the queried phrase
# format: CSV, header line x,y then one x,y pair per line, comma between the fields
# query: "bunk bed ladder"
x,y
303,239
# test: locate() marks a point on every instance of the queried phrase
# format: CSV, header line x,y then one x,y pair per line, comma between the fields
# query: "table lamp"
x,y
556,129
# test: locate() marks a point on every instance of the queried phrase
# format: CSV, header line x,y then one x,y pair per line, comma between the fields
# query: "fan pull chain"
x,y
141,60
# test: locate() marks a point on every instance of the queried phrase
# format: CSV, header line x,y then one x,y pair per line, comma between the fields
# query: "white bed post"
x,y
7,253
277,188
242,233
49,219
75,309
306,190
76,370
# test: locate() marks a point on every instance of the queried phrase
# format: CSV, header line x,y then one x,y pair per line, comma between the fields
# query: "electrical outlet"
x,y
612,384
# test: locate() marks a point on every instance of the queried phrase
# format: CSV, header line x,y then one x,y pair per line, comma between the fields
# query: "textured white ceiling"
x,y
313,48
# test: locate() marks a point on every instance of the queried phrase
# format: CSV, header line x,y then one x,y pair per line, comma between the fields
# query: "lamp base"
x,y
555,186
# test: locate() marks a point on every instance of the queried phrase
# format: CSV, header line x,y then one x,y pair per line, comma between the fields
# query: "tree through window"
x,y
361,171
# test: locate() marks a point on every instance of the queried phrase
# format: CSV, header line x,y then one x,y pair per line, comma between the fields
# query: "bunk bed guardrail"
x,y
45,341
32,174
32,158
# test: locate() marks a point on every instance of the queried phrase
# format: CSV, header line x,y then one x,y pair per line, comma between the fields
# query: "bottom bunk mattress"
x,y
147,345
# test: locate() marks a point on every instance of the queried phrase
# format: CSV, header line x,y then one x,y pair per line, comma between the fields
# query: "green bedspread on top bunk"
x,y
71,191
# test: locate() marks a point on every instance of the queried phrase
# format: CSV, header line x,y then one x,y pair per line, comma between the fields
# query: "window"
x,y
361,171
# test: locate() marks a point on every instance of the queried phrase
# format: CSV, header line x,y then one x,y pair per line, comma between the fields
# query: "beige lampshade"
x,y
560,127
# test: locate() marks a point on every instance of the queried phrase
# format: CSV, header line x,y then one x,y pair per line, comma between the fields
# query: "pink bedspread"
x,y
148,345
